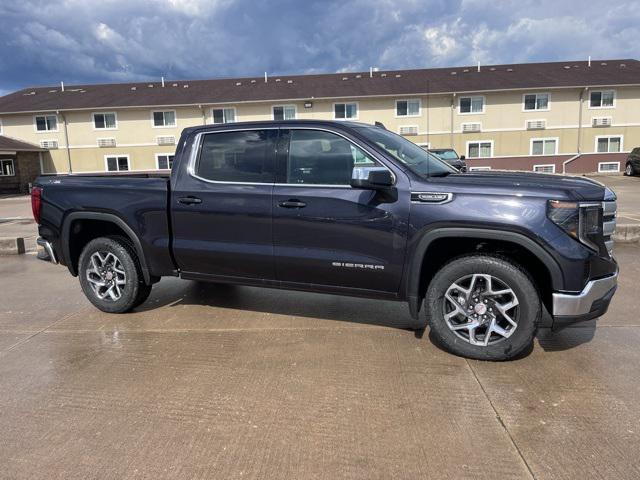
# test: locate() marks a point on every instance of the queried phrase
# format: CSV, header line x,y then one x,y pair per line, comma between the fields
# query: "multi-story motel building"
x,y
572,117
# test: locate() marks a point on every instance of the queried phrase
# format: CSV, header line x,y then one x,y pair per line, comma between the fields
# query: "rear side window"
x,y
322,158
244,157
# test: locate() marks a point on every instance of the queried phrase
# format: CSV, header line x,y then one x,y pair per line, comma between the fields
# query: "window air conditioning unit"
x,y
106,142
49,144
601,121
168,140
471,127
409,130
536,124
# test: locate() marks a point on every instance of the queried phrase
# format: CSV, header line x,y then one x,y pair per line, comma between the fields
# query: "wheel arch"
x,y
545,264
110,224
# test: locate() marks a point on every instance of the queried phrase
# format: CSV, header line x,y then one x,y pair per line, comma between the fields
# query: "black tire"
x,y
132,293
503,272
628,170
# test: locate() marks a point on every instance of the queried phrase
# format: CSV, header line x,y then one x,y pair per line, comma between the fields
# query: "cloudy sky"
x,y
45,41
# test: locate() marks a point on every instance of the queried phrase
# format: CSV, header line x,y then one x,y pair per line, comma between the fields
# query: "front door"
x,y
221,206
326,232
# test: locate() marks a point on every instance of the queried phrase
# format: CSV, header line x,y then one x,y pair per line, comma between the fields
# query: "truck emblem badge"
x,y
363,266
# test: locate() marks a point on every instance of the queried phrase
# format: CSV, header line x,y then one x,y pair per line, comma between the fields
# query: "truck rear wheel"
x,y
483,307
110,275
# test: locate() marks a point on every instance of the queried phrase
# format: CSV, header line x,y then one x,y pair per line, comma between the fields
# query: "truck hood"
x,y
524,184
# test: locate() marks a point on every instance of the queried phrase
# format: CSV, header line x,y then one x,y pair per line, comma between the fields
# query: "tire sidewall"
x,y
514,277
130,290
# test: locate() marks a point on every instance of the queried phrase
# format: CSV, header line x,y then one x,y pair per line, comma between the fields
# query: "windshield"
x,y
446,154
414,157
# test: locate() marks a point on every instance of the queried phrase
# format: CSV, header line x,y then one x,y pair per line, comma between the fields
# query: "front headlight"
x,y
583,221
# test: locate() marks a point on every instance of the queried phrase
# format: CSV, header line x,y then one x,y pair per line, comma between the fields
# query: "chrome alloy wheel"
x,y
481,309
629,170
106,276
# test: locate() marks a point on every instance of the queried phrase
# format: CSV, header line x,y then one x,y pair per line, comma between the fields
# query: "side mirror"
x,y
462,157
371,178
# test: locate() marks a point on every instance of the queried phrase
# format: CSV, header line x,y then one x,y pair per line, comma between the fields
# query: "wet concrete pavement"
x,y
211,381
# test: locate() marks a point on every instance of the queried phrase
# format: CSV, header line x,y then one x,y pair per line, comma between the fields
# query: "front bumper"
x,y
592,302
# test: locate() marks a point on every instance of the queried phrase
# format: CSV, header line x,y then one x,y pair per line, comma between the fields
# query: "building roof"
x,y
335,85
13,145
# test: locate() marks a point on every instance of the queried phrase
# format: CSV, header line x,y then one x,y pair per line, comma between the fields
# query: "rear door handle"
x,y
292,204
190,200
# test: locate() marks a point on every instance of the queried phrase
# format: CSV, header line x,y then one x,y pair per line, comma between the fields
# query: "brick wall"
x,y
27,168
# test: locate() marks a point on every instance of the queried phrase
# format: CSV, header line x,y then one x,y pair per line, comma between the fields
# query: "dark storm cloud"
x,y
44,42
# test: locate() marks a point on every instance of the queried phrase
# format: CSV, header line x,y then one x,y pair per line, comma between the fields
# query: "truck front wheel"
x,y
483,307
110,275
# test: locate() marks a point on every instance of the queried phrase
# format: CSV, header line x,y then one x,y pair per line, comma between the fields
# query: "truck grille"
x,y
609,210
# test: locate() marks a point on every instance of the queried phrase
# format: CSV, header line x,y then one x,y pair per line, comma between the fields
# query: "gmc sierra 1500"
x,y
345,208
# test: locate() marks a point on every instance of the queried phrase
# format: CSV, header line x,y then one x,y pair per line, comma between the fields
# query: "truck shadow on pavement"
x,y
242,301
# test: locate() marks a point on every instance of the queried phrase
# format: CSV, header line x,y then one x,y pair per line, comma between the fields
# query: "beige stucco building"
x,y
554,117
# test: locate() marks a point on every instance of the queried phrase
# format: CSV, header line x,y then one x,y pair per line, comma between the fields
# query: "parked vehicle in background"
x,y
450,156
343,208
632,167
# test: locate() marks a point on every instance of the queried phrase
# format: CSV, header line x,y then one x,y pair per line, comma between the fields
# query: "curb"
x,y
627,233
11,246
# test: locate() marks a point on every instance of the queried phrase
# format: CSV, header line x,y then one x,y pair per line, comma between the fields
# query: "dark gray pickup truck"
x,y
343,208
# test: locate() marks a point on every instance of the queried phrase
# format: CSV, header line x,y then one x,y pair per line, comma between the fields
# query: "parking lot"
x,y
213,381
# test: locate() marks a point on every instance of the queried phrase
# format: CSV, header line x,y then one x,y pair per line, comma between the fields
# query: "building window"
x,y
164,119
536,101
6,168
602,99
164,161
480,149
117,163
104,121
609,144
408,108
479,169
345,111
284,112
224,115
471,104
47,123
548,168
608,166
544,146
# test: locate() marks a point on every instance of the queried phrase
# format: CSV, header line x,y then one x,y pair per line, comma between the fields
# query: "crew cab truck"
x,y
343,208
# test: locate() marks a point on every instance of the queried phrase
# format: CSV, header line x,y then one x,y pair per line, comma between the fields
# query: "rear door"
x,y
326,232
221,205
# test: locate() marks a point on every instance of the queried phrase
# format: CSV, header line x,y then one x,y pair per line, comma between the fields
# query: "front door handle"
x,y
190,200
292,203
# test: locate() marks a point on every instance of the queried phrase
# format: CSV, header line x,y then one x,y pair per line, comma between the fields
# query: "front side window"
x,y
46,123
408,108
104,121
609,144
224,115
536,101
6,168
472,104
164,119
602,99
165,161
240,157
323,158
284,112
117,163
479,149
345,111
544,146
